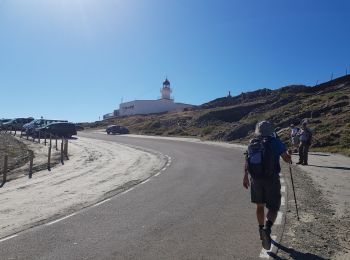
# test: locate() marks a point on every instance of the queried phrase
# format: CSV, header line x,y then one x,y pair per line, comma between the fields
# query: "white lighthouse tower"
x,y
161,105
166,90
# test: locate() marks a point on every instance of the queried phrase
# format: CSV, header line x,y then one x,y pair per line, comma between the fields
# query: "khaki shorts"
x,y
266,192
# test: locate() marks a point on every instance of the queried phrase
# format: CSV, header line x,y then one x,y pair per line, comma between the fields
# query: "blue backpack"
x,y
260,158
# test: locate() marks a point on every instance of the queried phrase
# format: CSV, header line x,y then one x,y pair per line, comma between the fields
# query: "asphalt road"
x,y
196,209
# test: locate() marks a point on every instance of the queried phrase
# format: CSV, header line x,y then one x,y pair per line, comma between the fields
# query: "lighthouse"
x,y
166,90
144,107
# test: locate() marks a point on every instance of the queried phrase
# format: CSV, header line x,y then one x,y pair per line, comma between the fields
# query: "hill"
x,y
233,119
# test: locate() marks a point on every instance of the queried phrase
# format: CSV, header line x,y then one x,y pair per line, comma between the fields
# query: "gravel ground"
x,y
319,234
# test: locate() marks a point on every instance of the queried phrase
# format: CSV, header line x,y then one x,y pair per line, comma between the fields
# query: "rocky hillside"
x,y
233,119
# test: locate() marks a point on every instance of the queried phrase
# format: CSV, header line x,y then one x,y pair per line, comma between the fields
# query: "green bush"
x,y
207,130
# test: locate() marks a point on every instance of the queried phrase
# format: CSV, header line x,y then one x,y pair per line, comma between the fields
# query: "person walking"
x,y
263,166
305,137
294,137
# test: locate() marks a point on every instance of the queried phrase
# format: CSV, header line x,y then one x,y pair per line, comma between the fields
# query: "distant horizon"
x,y
77,60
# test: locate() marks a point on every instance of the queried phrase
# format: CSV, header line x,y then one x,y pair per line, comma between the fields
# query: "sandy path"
x,y
96,169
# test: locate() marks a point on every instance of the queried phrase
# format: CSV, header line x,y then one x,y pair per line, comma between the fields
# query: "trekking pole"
x,y
295,199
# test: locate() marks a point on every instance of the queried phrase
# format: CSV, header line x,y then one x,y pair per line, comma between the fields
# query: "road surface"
x,y
195,209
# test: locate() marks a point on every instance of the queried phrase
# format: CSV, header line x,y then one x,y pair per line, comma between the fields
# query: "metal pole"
x,y
295,199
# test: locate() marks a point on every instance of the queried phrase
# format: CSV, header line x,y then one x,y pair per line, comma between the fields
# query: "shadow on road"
x,y
293,253
332,167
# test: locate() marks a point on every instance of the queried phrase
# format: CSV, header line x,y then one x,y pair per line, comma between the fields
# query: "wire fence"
x,y
60,144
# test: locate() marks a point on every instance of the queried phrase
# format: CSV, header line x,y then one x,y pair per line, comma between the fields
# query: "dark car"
x,y
60,129
3,121
29,128
117,129
79,127
16,124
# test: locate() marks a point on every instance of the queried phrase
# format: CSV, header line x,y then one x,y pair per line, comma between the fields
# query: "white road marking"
x,y
7,238
145,181
157,174
60,219
283,189
163,169
282,180
97,204
264,253
279,218
283,201
124,192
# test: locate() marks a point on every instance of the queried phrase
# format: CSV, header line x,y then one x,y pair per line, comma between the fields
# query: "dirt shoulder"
x,y
96,170
322,190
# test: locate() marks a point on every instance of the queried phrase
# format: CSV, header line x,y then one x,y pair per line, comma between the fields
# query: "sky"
x,y
78,59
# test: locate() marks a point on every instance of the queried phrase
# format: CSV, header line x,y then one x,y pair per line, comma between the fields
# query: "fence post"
x,y
21,134
31,158
4,174
62,152
45,138
15,132
50,139
39,137
49,159
27,135
56,143
66,149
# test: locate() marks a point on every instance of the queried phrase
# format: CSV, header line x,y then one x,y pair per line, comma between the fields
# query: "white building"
x,y
164,104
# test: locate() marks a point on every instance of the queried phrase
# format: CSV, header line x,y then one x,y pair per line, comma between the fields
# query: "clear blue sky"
x,y
76,59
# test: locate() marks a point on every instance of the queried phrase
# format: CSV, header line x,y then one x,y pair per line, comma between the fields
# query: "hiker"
x,y
294,137
263,166
305,137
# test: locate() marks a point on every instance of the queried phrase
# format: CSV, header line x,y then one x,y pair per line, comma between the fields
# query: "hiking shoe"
x,y
261,231
266,239
299,163
304,164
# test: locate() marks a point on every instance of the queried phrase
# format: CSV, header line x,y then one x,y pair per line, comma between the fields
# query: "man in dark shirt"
x,y
267,192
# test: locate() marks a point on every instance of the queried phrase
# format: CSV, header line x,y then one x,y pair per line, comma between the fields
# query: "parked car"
x,y
16,124
117,129
60,129
79,127
2,121
29,128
